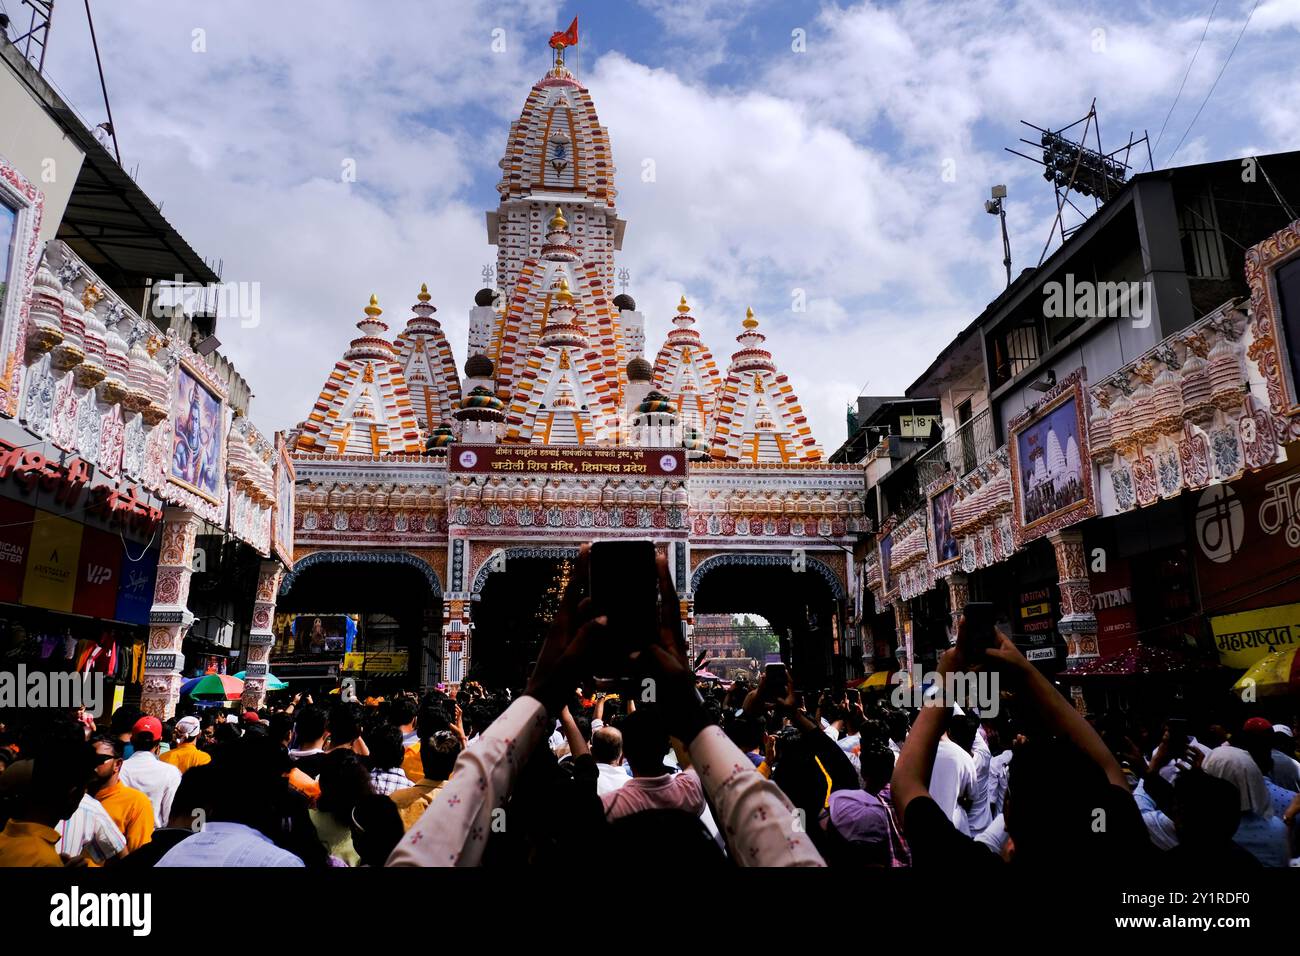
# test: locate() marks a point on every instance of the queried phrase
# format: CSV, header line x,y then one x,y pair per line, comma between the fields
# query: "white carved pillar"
x,y
260,635
903,632
958,598
170,618
1078,623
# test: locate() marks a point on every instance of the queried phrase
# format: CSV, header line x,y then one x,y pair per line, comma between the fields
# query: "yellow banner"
x,y
376,662
51,579
1244,638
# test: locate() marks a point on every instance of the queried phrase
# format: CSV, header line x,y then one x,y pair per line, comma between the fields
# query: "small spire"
x,y
750,322
564,295
558,222
373,310
682,307
424,292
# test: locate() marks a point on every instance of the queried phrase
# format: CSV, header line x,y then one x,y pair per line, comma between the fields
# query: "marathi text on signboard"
x,y
575,460
1244,638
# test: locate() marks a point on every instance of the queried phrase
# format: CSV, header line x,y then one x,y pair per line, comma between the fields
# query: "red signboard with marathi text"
x,y
574,460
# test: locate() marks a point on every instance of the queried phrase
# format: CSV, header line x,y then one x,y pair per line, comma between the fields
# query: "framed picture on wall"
x,y
197,436
282,524
21,206
1051,474
943,545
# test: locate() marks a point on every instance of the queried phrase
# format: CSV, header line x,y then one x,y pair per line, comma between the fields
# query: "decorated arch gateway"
x,y
562,430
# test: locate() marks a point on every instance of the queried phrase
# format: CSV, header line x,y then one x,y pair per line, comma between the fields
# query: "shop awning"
x,y
1276,673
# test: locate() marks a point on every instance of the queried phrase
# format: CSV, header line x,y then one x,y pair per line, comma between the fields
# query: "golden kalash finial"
x,y
564,295
373,308
558,221
682,307
424,292
750,322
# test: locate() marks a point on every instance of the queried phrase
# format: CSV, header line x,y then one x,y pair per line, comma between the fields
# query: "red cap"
x,y
151,724
1257,725
250,717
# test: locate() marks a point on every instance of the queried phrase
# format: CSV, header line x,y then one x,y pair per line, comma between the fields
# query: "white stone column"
x,y
170,618
261,636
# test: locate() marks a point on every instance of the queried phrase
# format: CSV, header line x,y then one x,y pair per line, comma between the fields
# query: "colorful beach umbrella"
x,y
217,687
1277,672
272,682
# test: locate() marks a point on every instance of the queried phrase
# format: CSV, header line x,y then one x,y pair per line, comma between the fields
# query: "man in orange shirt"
x,y
45,791
185,754
130,809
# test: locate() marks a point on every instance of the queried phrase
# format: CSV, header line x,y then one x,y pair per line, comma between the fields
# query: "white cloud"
x,y
825,172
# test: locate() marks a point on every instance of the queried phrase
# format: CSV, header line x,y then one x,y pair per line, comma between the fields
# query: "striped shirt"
x,y
90,830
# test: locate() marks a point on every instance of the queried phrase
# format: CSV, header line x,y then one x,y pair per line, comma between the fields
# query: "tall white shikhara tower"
x,y
555,356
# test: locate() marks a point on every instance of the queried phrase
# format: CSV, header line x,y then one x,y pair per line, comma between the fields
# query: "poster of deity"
x,y
944,545
196,436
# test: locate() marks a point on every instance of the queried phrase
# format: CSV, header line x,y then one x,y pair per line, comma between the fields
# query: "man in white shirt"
x,y
91,832
227,844
607,751
966,732
952,782
146,773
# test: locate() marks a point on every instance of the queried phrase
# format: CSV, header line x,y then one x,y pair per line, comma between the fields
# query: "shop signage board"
x,y
574,460
376,662
1243,638
99,566
135,590
1247,540
50,580
15,539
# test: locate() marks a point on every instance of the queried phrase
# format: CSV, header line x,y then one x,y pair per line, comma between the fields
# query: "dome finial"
x,y
750,322
682,307
373,308
424,292
564,295
558,221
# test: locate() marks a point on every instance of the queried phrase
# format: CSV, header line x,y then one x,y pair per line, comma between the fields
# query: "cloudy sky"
x,y
841,152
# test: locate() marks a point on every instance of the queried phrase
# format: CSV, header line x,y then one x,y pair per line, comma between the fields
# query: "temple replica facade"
x,y
561,427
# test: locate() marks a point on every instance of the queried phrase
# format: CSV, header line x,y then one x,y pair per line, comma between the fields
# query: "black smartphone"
x,y
776,678
978,630
623,584
1177,736
853,696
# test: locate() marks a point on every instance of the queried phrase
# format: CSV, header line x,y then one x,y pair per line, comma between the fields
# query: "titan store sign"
x,y
116,503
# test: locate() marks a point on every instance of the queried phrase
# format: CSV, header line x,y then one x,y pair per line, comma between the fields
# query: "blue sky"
x,y
851,174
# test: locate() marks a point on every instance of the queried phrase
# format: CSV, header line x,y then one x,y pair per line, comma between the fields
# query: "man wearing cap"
x,y
145,772
185,754
1286,769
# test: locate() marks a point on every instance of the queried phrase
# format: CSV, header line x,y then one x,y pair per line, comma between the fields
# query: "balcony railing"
x,y
961,452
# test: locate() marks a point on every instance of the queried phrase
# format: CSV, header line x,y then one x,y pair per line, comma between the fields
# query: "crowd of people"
x,y
659,765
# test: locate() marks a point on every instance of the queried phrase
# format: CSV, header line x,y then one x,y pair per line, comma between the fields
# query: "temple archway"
x,y
514,604
384,607
802,607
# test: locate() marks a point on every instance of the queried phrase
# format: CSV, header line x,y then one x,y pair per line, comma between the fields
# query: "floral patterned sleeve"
x,y
759,823
454,830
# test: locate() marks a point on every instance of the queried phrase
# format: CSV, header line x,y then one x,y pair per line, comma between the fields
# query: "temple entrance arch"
x,y
802,607
383,607
515,595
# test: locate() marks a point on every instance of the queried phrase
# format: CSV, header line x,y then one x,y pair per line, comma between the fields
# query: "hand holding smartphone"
x,y
623,584
977,632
